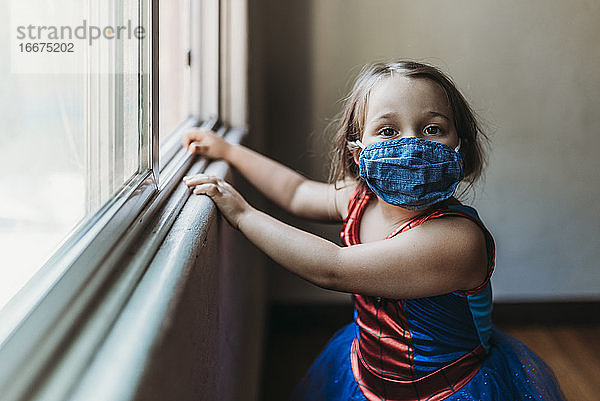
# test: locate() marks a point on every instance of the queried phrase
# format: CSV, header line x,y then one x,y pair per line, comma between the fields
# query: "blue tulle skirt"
x,y
511,372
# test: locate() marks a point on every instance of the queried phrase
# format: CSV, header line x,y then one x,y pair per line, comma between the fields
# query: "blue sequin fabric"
x,y
511,372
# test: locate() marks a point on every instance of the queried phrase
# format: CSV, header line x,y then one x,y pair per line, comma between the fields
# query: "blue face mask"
x,y
412,173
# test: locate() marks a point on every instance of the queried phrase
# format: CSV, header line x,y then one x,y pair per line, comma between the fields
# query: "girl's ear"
x,y
356,155
355,148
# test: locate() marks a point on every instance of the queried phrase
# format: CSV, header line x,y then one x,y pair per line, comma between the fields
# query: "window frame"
x,y
205,44
41,315
53,327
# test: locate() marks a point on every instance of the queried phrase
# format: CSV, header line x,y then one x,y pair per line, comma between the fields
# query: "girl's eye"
x,y
388,132
432,130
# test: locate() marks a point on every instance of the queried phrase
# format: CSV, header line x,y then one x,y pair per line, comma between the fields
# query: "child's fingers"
x,y
194,135
200,179
209,189
189,138
198,148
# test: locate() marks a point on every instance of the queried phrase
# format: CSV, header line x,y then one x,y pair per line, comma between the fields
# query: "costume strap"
x,y
448,211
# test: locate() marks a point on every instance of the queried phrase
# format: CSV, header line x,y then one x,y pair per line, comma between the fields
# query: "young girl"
x,y
416,260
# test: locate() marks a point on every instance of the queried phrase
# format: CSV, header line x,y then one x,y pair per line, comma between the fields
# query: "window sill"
x,y
101,345
141,322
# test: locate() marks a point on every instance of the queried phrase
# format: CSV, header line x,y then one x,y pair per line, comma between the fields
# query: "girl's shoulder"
x,y
464,218
465,222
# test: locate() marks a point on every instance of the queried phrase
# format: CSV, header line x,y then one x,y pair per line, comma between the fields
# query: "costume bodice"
x,y
424,348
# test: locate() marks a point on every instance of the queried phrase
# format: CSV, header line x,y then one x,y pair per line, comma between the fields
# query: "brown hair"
x,y
351,121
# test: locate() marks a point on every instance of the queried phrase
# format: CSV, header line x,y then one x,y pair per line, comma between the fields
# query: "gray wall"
x,y
530,69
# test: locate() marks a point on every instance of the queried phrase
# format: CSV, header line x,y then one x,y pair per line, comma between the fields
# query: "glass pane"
x,y
174,70
69,137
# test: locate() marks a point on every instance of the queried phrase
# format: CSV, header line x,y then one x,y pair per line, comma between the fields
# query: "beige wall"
x,y
530,69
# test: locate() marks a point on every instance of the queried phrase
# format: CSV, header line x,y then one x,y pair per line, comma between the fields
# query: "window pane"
x,y
174,70
70,134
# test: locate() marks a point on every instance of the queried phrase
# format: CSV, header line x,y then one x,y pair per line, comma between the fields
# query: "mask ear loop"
x,y
357,143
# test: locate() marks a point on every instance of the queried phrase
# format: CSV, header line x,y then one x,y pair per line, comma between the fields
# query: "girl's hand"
x,y
201,141
228,200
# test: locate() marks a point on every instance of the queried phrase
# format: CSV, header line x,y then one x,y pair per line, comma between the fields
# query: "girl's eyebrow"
x,y
386,116
392,115
438,114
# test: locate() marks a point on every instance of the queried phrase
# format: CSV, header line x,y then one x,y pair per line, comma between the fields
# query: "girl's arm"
x,y
437,257
288,189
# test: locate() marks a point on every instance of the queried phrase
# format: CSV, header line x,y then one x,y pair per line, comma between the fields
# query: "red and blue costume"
x,y
435,348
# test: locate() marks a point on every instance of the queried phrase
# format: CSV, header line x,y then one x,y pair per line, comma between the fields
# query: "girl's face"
x,y
402,107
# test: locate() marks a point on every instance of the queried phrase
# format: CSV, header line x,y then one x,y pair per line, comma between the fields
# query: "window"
x,y
71,140
77,158
176,112
91,162
74,139
188,70
174,65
